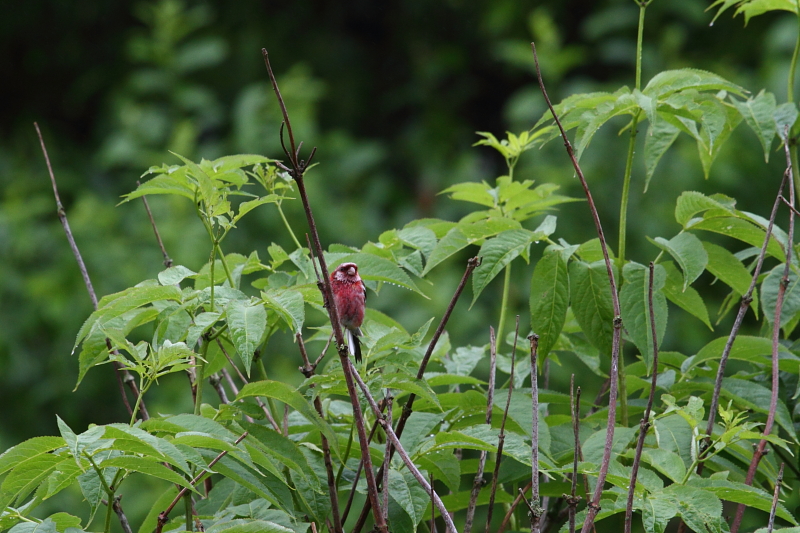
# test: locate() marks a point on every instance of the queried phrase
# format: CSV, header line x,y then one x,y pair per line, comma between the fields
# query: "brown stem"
x,y
575,411
346,511
433,507
479,482
164,515
775,494
511,509
472,264
776,334
216,382
260,403
594,505
297,172
326,448
501,439
123,520
123,376
167,260
746,300
536,507
391,435
645,423
385,483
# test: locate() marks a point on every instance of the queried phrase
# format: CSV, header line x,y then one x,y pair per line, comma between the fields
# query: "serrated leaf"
x,y
769,295
419,237
495,254
147,466
741,493
690,203
288,395
757,350
592,120
728,268
174,275
590,295
688,252
164,184
247,323
28,450
758,112
785,117
687,299
478,193
670,81
659,138
246,207
289,304
549,299
633,300
742,230
464,234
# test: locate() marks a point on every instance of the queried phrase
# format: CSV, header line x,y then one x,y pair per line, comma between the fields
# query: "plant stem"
x,y
198,378
288,227
224,264
504,302
790,98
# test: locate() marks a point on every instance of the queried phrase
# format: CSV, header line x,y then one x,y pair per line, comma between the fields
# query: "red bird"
x,y
350,296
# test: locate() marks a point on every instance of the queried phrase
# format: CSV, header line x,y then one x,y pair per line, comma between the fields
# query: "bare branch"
x,y
535,507
123,520
594,505
775,495
167,260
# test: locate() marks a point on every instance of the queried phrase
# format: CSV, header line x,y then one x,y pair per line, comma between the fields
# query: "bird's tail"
x,y
354,344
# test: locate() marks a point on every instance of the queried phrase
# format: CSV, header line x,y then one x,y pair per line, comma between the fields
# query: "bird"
x,y
350,297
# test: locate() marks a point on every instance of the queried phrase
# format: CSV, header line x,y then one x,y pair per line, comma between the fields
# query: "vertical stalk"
x,y
504,301
198,378
790,98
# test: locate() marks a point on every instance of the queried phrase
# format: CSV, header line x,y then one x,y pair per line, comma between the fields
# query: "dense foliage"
x,y
259,446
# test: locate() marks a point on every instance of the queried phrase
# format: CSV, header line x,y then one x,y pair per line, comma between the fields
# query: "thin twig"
x,y
216,382
390,434
123,520
502,437
297,172
594,505
743,307
472,264
164,515
432,527
575,411
122,375
260,403
478,482
645,423
536,507
326,449
385,483
167,260
356,478
511,509
776,334
775,494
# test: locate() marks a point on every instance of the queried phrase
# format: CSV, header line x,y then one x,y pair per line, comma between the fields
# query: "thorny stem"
x,y
297,172
776,333
164,515
594,505
391,435
645,423
501,438
746,300
122,375
478,482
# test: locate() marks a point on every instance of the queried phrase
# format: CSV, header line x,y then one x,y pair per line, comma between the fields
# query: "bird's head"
x,y
346,272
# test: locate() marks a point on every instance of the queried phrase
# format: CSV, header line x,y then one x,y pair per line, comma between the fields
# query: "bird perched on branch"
x,y
349,296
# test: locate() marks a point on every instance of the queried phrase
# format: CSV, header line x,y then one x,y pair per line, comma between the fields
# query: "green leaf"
x,y
785,117
687,299
464,234
45,526
478,193
741,493
668,82
26,476
728,268
633,299
496,253
288,304
374,268
769,295
174,275
420,238
147,466
690,203
590,293
248,526
688,252
592,120
408,383
665,462
165,184
28,449
288,395
659,138
262,483
549,299
408,493
756,350
742,230
247,323
758,112
246,207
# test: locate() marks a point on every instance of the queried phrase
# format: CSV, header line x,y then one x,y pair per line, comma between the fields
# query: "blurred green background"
x,y
391,93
